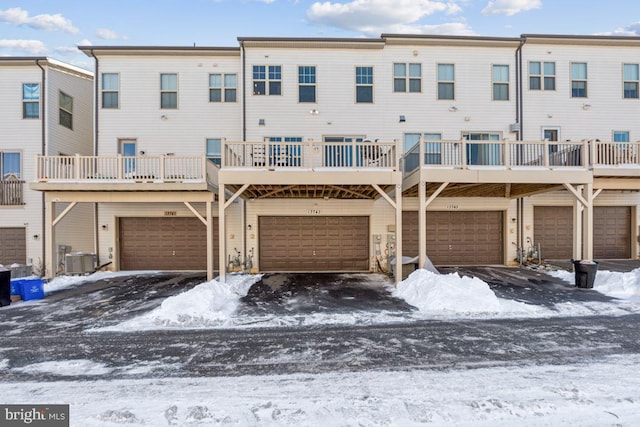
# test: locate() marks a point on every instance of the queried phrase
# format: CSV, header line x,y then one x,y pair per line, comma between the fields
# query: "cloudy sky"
x,y
55,27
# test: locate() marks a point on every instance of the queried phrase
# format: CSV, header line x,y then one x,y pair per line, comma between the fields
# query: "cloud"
x,y
510,7
106,34
32,47
373,17
629,30
20,17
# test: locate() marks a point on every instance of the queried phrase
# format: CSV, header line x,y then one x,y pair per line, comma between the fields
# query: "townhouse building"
x,y
330,154
46,109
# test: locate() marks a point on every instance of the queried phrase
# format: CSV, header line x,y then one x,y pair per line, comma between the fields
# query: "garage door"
x,y
457,238
165,244
314,243
553,230
612,232
13,246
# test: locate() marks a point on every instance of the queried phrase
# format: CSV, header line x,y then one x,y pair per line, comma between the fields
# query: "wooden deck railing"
x,y
120,168
310,155
615,153
11,192
464,154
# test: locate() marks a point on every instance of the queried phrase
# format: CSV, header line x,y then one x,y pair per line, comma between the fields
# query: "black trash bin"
x,y
5,287
585,273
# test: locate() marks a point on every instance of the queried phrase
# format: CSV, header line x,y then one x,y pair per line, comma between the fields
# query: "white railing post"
x,y
119,166
585,154
506,147
77,167
421,151
223,154
594,150
463,153
162,167
545,153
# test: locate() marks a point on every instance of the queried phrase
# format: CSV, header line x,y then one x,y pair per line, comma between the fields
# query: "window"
x,y
407,82
222,84
110,90
500,82
214,150
364,85
446,80
483,153
65,104
169,91
620,136
267,80
306,84
31,101
631,79
578,80
10,165
542,75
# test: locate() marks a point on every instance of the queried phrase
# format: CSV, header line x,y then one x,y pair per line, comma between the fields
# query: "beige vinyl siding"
x,y
183,130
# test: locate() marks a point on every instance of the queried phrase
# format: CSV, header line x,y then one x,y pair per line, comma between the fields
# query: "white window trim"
x,y
177,91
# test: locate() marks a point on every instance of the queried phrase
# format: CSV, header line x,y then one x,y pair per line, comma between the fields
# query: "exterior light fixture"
x,y
453,108
402,119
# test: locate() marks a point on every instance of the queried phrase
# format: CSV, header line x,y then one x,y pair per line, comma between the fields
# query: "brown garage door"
x,y
314,243
457,238
13,246
553,230
165,244
612,232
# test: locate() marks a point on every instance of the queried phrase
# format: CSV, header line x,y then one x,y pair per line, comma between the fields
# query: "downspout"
x,y
96,236
244,92
244,138
43,149
519,120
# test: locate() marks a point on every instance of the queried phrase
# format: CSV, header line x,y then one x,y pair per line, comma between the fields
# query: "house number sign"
x,y
313,211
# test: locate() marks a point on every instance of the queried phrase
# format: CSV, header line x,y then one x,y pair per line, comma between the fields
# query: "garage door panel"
x,y
553,230
13,245
315,244
165,243
612,232
457,238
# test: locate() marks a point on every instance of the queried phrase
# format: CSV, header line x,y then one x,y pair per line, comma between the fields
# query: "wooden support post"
x,y
50,249
422,224
588,222
209,213
398,271
577,227
222,235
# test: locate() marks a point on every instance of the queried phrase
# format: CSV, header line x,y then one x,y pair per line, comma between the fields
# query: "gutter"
x,y
43,94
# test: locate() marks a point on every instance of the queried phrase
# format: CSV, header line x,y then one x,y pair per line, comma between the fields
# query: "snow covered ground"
x,y
585,393
435,296
598,393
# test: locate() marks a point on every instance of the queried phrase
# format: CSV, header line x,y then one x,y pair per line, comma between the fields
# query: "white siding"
x,y
182,131
608,110
339,114
60,139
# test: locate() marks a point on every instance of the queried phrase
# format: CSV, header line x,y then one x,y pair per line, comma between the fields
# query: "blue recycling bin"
x,y
31,289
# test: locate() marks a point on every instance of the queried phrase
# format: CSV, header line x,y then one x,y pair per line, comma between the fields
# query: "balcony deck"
x,y
123,173
310,169
495,168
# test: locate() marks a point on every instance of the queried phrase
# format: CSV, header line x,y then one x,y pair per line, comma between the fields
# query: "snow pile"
x,y
206,305
452,294
610,283
63,282
431,292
